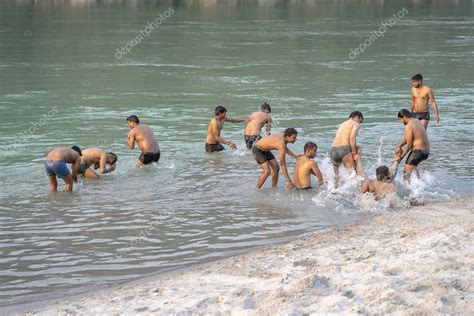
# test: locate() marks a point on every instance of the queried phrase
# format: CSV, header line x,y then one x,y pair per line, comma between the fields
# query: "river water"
x,y
62,83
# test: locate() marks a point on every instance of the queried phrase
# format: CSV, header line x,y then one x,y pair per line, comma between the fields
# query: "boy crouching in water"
x,y
381,186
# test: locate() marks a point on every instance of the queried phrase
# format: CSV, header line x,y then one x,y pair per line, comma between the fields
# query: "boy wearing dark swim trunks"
x,y
143,135
420,96
254,124
214,140
261,151
416,141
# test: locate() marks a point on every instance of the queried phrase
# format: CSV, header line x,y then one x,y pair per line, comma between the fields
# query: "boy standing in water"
x,y
254,124
306,166
344,147
55,166
261,151
213,138
143,135
416,141
420,96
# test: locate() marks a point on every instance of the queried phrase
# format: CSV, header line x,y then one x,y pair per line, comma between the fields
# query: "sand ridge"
x,y
416,261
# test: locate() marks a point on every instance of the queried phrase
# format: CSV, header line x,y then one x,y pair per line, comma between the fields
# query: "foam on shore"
x,y
415,261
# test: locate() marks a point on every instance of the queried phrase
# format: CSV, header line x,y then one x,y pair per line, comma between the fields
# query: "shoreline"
x,y
414,261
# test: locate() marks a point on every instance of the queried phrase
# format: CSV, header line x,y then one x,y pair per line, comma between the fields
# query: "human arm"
x,y
412,101
75,169
131,139
433,104
233,120
365,187
268,126
315,170
290,153
284,169
408,141
352,141
103,162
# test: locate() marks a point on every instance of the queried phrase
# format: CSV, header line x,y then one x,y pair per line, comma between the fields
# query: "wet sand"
x,y
415,261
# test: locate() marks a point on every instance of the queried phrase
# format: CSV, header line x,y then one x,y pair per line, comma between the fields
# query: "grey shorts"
x,y
337,153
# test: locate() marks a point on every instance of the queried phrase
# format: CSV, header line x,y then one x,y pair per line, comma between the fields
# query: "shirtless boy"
x,y
381,186
55,166
214,140
96,158
416,141
261,151
420,96
254,124
344,148
143,135
306,166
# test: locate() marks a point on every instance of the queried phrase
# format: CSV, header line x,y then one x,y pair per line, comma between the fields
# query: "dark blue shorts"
x,y
56,168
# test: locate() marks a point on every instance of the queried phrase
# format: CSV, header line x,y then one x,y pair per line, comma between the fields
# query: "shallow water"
x,y
60,84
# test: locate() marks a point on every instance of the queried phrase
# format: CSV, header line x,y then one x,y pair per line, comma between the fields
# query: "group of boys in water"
x,y
344,150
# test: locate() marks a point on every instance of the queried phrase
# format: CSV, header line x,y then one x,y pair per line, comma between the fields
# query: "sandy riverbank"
x,y
416,261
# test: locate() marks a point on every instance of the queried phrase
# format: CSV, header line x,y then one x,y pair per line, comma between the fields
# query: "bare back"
x,y
415,131
63,153
344,132
272,142
377,188
92,156
145,139
255,122
304,168
421,96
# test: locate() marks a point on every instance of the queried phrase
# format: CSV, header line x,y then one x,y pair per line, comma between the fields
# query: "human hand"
x,y
112,168
437,119
356,157
289,185
232,145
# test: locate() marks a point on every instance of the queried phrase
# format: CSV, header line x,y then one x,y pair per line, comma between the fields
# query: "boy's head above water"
x,y
382,173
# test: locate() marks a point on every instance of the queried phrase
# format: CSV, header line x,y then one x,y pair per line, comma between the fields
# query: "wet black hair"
x,y
77,149
404,113
355,114
133,118
290,131
417,77
310,145
382,173
220,109
114,157
266,106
